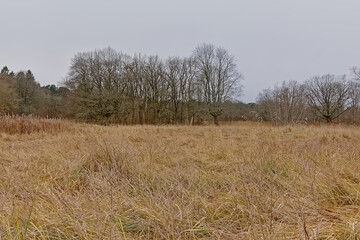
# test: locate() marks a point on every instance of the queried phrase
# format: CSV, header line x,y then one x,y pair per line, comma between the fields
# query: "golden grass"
x,y
242,181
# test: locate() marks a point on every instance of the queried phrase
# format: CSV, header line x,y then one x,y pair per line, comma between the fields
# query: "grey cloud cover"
x,y
272,40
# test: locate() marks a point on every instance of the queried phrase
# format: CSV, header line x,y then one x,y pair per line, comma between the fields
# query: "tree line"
x,y
109,86
106,86
321,98
21,94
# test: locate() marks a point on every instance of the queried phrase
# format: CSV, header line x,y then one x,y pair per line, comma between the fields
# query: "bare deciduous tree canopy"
x,y
218,76
106,86
329,96
146,89
285,104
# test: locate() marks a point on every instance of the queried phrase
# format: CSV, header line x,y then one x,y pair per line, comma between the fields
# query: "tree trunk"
x,y
216,120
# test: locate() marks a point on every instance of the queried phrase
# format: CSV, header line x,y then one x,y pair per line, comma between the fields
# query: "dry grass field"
x,y
239,181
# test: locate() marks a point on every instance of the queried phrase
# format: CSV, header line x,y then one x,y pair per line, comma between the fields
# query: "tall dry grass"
x,y
14,124
244,181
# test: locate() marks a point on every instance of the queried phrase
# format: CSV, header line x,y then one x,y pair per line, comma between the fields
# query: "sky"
x,y
272,40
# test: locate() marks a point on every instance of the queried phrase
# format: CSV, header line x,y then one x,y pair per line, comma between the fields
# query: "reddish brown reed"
x,y
14,124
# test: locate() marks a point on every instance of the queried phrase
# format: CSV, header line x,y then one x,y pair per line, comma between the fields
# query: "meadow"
x,y
65,180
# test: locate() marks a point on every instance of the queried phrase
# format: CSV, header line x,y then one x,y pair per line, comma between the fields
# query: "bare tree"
x,y
137,88
355,73
97,82
218,76
329,96
355,86
179,73
157,88
285,104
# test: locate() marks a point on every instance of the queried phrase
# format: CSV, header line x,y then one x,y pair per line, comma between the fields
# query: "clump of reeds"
x,y
15,124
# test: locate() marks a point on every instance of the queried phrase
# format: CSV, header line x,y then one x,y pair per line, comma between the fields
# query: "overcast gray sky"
x,y
272,40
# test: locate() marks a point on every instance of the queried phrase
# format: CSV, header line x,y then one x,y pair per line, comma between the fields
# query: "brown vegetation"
x,y
12,124
243,181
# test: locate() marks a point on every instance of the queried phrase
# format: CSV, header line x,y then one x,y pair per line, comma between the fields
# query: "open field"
x,y
240,181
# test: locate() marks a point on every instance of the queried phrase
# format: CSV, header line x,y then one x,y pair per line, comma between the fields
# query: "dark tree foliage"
x,y
4,70
21,94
